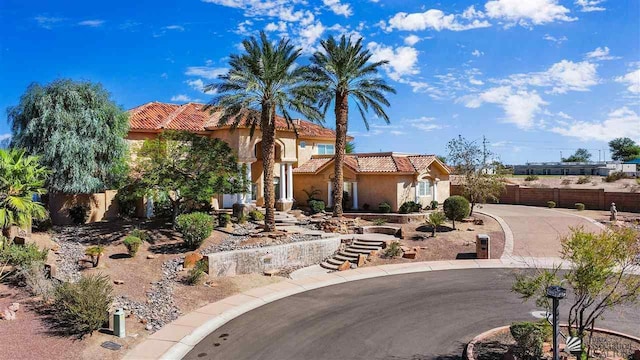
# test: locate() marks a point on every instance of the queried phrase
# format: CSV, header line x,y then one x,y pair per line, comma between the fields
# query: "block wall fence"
x,y
593,199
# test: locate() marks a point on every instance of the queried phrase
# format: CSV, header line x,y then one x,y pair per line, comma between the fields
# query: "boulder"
x,y
118,282
409,254
478,222
271,272
191,259
361,259
14,307
8,315
344,266
242,209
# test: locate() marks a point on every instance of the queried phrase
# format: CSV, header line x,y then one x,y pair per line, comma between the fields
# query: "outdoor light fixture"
x,y
556,293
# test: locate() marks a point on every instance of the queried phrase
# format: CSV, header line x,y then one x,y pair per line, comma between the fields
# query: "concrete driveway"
x,y
537,231
402,317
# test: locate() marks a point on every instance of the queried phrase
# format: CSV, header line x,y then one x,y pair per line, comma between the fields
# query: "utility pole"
x,y
484,153
560,155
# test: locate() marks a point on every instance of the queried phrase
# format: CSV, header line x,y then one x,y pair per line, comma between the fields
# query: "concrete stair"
x,y
359,245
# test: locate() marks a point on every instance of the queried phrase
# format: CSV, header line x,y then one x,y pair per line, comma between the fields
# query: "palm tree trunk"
x,y
268,155
342,116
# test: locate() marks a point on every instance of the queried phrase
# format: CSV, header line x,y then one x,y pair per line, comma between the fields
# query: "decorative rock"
x,y
118,282
478,222
191,259
405,248
344,266
8,315
149,327
271,272
151,256
361,259
471,229
14,307
409,255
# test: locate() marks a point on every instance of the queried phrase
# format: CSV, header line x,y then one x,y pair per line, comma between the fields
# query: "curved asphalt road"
x,y
429,315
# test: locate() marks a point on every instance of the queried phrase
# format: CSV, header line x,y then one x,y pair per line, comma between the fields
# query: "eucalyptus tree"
x,y
345,72
77,131
261,81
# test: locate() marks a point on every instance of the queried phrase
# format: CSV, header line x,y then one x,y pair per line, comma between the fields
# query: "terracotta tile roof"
x,y
312,166
421,163
374,163
193,117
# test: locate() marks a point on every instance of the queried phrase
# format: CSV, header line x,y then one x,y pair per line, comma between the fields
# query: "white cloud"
x,y
520,106
561,77
338,8
477,53
411,40
527,13
590,5
206,72
402,59
47,22
281,26
424,123
174,27
5,137
600,54
557,40
632,80
199,85
622,122
91,23
183,98
434,19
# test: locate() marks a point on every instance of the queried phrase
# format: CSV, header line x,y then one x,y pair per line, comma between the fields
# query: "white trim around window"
x,y
424,188
325,149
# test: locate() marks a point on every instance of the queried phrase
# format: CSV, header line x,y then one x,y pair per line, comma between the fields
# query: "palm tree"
x,y
345,73
21,177
263,80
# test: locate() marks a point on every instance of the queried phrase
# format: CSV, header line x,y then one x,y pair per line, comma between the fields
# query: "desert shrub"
x,y
456,208
195,228
95,253
379,222
551,204
566,182
583,180
197,274
36,280
532,178
436,219
434,205
224,219
393,250
384,207
529,337
141,234
366,207
79,214
256,215
638,181
242,218
82,307
410,207
133,244
22,255
579,206
615,176
316,206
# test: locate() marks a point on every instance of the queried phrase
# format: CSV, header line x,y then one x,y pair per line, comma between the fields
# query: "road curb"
x,y
507,252
176,339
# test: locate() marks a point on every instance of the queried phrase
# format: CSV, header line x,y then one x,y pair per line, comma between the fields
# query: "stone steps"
x,y
359,246
326,265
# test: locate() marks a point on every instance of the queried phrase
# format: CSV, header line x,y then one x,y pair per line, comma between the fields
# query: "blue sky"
x,y
537,77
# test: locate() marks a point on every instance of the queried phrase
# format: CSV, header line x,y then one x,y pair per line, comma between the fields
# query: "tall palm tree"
x,y
263,80
21,177
345,73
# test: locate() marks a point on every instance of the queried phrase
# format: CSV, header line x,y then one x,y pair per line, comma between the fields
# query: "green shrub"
x,y
133,244
393,250
36,280
532,178
224,219
22,255
384,208
195,228
579,206
256,215
410,207
242,218
583,180
140,234
95,252
79,214
434,205
529,337
197,273
379,222
456,208
566,182
316,206
551,204
82,307
615,176
435,220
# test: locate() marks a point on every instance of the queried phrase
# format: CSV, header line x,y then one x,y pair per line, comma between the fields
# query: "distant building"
x,y
575,168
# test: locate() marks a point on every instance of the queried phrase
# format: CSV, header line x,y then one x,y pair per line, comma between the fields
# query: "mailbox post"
x,y
483,246
556,293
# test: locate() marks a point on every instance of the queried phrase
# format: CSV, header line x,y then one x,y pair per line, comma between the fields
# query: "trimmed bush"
x,y
195,228
532,178
316,206
95,252
256,215
22,255
529,337
579,206
197,273
384,208
393,250
82,307
551,204
224,219
434,205
456,208
79,214
133,244
141,234
410,207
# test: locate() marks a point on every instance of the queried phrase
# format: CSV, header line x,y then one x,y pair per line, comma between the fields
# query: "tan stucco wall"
x,y
310,149
101,206
374,189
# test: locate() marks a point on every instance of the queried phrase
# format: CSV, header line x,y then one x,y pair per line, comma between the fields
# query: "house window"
x,y
326,149
424,188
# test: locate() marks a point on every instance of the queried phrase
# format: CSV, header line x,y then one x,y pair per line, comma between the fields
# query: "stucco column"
x,y
417,191
283,181
435,190
355,195
250,178
329,194
290,181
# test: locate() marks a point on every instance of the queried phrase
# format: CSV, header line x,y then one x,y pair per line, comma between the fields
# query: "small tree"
x,y
436,219
480,188
624,149
456,208
188,168
600,277
581,155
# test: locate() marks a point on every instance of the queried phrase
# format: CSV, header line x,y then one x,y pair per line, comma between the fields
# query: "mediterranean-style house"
x,y
303,162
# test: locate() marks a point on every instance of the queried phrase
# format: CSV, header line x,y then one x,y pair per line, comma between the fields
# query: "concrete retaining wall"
x,y
390,217
304,253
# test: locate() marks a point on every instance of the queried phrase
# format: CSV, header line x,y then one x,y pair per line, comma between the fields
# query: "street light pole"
x,y
556,293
